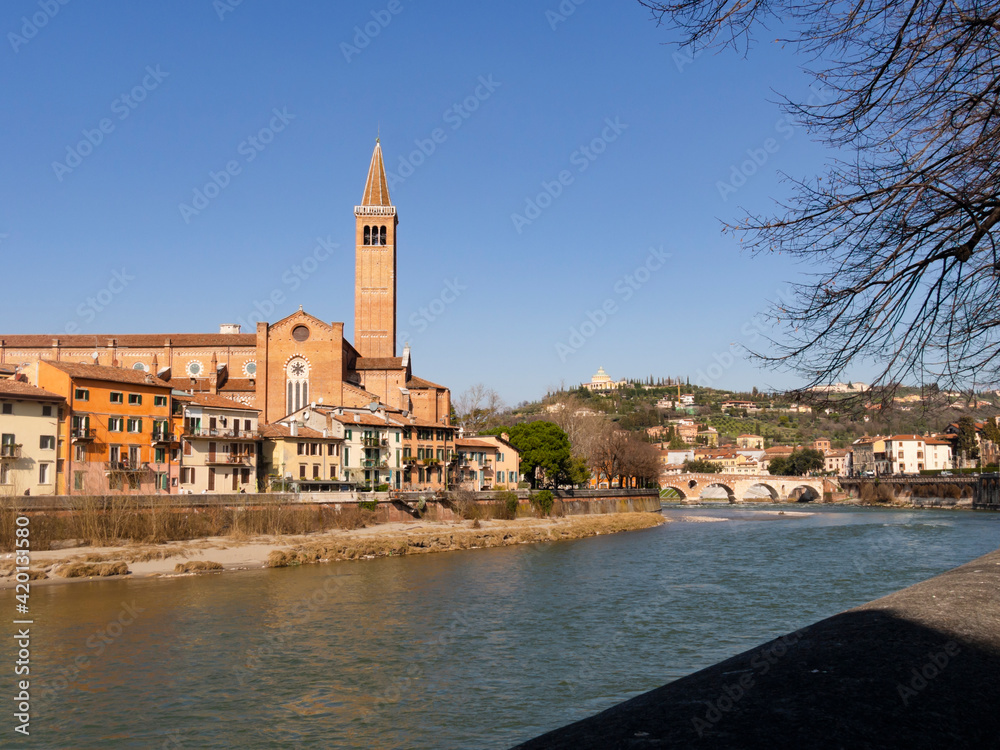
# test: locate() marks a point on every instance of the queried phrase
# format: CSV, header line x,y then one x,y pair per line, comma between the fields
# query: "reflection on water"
x,y
456,650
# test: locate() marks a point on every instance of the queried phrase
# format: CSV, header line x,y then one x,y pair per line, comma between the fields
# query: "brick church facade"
x,y
281,367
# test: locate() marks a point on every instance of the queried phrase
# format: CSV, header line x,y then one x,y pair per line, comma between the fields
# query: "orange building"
x,y
116,435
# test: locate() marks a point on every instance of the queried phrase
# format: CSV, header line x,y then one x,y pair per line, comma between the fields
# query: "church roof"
x,y
377,187
379,363
418,383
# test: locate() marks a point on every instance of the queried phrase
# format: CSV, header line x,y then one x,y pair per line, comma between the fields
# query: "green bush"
x,y
505,506
543,501
382,488
371,505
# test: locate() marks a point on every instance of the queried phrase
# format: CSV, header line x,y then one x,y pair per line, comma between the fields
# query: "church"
x,y
283,366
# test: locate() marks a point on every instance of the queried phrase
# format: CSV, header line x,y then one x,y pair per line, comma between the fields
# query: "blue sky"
x,y
560,178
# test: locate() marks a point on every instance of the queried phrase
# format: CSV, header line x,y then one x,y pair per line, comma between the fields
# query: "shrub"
x,y
505,505
543,501
371,505
382,488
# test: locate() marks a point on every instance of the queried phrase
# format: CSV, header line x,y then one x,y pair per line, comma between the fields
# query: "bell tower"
x,y
375,266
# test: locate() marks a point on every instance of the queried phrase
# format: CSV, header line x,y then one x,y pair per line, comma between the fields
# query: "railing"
x,y
83,433
229,459
127,466
164,437
222,433
10,450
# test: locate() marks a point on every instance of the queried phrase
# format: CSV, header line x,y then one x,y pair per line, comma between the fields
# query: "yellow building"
x,y
29,431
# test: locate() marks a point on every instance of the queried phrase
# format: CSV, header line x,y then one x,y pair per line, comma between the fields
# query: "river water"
x,y
474,649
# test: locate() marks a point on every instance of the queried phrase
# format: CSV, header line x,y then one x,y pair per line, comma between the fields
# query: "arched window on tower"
x,y
368,235
382,242
297,384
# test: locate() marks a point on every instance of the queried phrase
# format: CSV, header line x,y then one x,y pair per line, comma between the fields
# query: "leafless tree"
x,y
582,425
900,233
642,461
479,408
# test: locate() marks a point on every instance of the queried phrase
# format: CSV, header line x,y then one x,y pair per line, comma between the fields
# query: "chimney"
x,y
294,427
229,328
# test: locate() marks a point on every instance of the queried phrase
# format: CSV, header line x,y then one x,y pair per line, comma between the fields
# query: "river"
x,y
474,649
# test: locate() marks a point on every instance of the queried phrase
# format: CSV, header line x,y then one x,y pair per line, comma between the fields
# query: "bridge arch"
x,y
772,493
672,492
730,495
804,493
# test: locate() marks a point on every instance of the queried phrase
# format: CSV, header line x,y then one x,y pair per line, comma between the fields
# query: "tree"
x,y
967,445
478,408
698,466
902,228
544,450
798,464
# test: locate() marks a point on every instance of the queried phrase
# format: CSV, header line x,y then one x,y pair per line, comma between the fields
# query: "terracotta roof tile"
x,y
26,391
415,382
274,431
109,374
379,363
220,402
142,340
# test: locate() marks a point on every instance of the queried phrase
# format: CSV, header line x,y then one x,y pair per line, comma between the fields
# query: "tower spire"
x,y
377,186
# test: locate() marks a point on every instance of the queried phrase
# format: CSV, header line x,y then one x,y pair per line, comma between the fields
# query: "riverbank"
x,y
221,554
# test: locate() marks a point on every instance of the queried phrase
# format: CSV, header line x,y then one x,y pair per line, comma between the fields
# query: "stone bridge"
x,y
691,486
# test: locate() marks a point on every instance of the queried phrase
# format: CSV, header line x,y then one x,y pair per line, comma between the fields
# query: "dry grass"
x,y
87,570
197,566
119,521
503,535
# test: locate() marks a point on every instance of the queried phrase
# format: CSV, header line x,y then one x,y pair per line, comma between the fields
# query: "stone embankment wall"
x,y
915,669
389,506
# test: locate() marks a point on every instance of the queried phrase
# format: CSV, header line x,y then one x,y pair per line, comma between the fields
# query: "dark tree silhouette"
x,y
899,234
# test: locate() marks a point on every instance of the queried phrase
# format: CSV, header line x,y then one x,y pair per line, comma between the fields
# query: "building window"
x,y
159,400
160,455
302,471
8,408
315,471
329,449
347,455
368,235
43,473
47,443
116,424
301,447
347,434
80,452
46,411
134,425
382,236
81,394
135,399
300,333
77,480
117,397
297,384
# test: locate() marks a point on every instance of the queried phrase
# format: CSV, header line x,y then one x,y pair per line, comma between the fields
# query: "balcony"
x,y
10,451
215,432
80,434
229,459
164,437
127,467
374,442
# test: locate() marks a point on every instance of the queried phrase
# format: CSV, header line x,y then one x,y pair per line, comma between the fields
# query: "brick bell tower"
x,y
375,273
